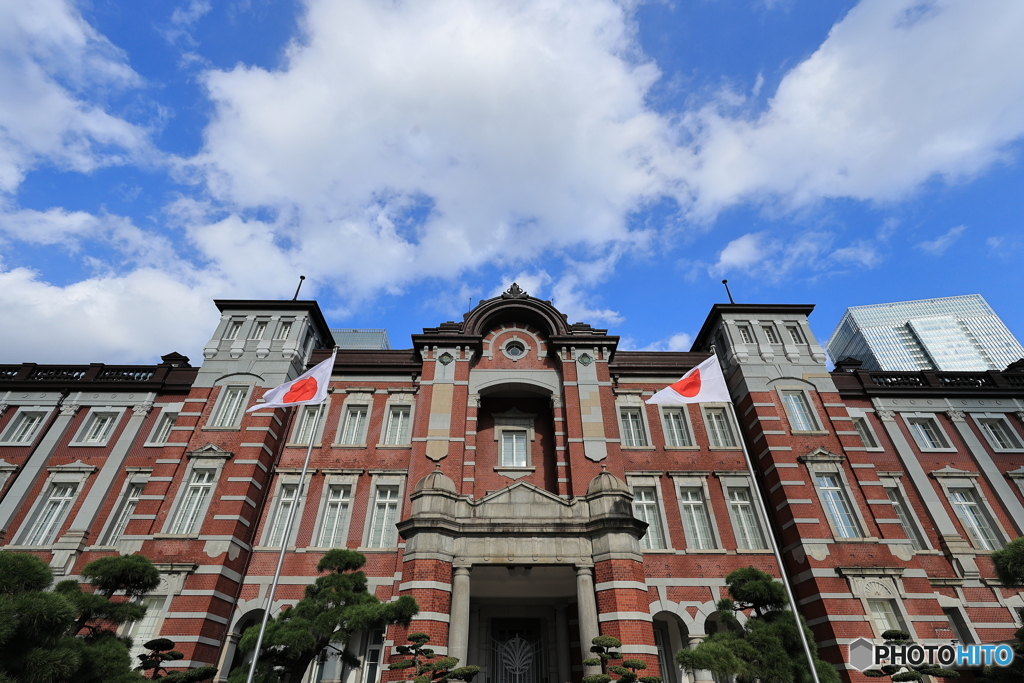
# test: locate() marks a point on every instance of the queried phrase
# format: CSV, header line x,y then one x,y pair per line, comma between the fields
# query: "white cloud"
x,y
893,97
677,342
183,18
744,252
405,141
51,60
133,318
939,245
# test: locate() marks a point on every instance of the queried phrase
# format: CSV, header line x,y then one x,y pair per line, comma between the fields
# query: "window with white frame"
x,y
286,499
145,629
514,447
998,433
745,519
696,522
373,657
867,437
801,417
746,336
283,330
23,427
232,330
198,490
975,518
837,504
398,429
645,508
99,425
335,516
794,334
228,411
162,431
353,431
677,428
258,330
51,514
633,433
125,510
907,521
720,432
885,614
770,334
926,433
307,418
383,533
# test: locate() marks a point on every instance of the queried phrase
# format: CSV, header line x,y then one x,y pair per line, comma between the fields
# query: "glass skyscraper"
x,y
950,333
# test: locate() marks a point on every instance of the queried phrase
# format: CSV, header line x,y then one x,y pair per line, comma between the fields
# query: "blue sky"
x,y
618,158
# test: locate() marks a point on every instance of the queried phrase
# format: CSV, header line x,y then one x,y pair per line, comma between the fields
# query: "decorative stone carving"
x,y
3,408
142,408
515,292
886,415
69,409
955,415
876,589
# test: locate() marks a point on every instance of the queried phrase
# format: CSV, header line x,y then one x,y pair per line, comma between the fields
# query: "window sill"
x,y
300,445
89,445
515,472
866,539
682,448
220,429
636,448
935,450
658,551
1007,450
724,448
392,549
180,537
706,551
7,444
348,445
394,446
809,432
754,551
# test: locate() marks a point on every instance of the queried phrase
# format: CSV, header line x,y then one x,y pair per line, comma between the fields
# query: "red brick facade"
x,y
526,448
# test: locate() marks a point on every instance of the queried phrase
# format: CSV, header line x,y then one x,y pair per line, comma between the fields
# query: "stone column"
x,y
700,674
562,643
227,655
458,624
586,604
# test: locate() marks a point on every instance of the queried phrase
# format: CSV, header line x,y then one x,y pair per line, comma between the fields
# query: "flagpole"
x,y
299,498
770,537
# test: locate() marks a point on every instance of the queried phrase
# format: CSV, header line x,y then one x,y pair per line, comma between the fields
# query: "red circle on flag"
x,y
301,391
688,387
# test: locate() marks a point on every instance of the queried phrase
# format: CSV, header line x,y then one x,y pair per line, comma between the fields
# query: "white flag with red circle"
x,y
306,389
703,384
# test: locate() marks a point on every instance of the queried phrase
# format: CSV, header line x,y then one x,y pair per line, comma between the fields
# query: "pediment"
x,y
521,493
210,450
821,455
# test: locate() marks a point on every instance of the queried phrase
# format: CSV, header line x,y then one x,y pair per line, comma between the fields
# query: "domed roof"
x,y
606,481
436,480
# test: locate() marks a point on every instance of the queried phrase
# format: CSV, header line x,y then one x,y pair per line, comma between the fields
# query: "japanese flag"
x,y
307,389
703,384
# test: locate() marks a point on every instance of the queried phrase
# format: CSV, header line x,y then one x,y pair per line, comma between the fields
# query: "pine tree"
x,y
69,634
436,671
335,607
767,648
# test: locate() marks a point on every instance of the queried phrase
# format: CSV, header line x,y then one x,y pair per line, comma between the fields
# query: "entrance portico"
x,y
521,564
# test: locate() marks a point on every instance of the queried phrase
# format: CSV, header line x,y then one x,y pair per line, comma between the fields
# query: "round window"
x,y
514,349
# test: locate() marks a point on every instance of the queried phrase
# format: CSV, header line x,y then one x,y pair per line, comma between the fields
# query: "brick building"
x,y
506,472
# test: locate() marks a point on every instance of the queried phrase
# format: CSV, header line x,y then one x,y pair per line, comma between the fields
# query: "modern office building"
x,y
950,333
506,472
